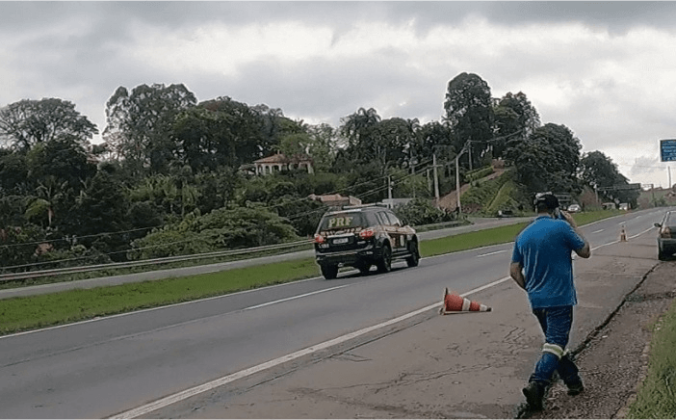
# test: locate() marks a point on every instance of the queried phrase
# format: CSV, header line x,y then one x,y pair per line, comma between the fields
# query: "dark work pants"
x,y
556,324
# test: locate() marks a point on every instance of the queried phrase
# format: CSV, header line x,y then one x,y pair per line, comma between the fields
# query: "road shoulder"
x,y
469,365
614,362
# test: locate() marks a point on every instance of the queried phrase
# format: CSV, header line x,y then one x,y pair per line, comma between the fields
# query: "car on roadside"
x,y
505,213
363,236
574,208
666,237
625,206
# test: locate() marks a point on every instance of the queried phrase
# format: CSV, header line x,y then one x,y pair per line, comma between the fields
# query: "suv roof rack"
x,y
361,206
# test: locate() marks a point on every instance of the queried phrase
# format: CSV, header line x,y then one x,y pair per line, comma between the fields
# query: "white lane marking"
x,y
274,302
191,392
639,234
597,231
491,253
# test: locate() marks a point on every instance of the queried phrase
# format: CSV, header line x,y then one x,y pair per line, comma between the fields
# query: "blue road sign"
x,y
668,150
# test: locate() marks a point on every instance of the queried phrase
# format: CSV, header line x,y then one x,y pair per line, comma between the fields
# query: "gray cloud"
x,y
82,51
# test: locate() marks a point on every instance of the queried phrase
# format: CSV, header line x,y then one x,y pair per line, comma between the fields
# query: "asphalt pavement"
x,y
467,365
226,347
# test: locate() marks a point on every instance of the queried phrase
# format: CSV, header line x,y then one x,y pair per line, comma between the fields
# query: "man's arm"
x,y
517,274
585,251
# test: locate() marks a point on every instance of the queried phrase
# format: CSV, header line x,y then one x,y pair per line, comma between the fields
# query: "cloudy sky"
x,y
606,70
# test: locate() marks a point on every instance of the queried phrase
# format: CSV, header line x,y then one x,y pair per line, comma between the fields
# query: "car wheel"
x,y
414,259
364,269
385,263
329,272
661,255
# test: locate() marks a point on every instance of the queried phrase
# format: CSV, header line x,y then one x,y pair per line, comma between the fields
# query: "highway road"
x,y
107,366
477,224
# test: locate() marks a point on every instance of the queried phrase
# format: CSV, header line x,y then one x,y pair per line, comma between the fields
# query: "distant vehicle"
x,y
625,206
666,238
609,206
362,236
505,213
574,208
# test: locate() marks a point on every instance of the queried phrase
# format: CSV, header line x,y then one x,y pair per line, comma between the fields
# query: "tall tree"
x,y
140,123
469,112
516,119
599,171
548,160
354,126
323,146
29,122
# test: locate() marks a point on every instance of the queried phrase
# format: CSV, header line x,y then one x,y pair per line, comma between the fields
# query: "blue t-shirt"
x,y
543,249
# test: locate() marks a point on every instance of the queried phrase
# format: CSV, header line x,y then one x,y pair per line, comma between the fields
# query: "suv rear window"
x,y
343,221
670,220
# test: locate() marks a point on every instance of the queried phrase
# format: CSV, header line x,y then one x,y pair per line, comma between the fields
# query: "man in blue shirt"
x,y
542,266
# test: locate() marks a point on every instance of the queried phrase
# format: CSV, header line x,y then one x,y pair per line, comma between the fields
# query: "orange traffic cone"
x,y
456,303
623,235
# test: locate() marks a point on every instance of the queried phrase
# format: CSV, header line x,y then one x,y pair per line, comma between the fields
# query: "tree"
x,y
103,208
13,173
516,119
64,158
323,146
353,126
30,122
469,112
599,171
139,124
548,160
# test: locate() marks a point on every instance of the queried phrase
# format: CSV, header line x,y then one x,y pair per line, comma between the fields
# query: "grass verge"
x,y
31,312
18,314
656,399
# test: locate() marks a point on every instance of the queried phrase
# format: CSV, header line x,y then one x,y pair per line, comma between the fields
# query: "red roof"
x,y
280,158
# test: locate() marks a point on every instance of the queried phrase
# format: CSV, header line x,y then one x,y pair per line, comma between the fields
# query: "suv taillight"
x,y
367,233
319,239
665,232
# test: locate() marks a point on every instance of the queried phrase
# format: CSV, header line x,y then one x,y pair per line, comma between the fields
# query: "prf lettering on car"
x,y
340,222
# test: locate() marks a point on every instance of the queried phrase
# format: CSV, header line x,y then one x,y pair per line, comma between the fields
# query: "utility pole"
x,y
413,173
457,182
389,189
469,147
596,191
436,180
669,171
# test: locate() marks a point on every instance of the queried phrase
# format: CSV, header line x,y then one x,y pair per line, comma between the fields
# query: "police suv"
x,y
362,236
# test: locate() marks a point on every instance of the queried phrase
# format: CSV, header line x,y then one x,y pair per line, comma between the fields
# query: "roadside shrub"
x,y
421,212
224,228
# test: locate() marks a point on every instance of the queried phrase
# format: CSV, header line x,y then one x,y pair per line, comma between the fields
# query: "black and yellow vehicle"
x,y
363,236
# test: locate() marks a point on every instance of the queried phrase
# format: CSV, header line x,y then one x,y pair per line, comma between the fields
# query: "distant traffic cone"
x,y
623,235
456,303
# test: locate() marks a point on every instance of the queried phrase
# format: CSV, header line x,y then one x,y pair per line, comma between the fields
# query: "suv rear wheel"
x,y
414,259
329,272
385,263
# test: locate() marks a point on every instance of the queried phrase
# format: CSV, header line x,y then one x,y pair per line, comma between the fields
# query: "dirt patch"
x,y
613,362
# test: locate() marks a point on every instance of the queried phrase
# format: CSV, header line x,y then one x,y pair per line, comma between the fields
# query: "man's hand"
x,y
516,274
569,219
585,251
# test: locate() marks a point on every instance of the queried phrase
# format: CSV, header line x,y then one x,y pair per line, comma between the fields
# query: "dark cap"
x,y
546,201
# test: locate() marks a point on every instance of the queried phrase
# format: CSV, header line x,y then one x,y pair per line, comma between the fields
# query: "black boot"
x,y
574,388
535,395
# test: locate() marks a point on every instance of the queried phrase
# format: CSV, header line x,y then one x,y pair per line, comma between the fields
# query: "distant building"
x,y
278,163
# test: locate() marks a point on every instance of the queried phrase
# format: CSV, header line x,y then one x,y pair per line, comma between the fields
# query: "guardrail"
x,y
165,260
